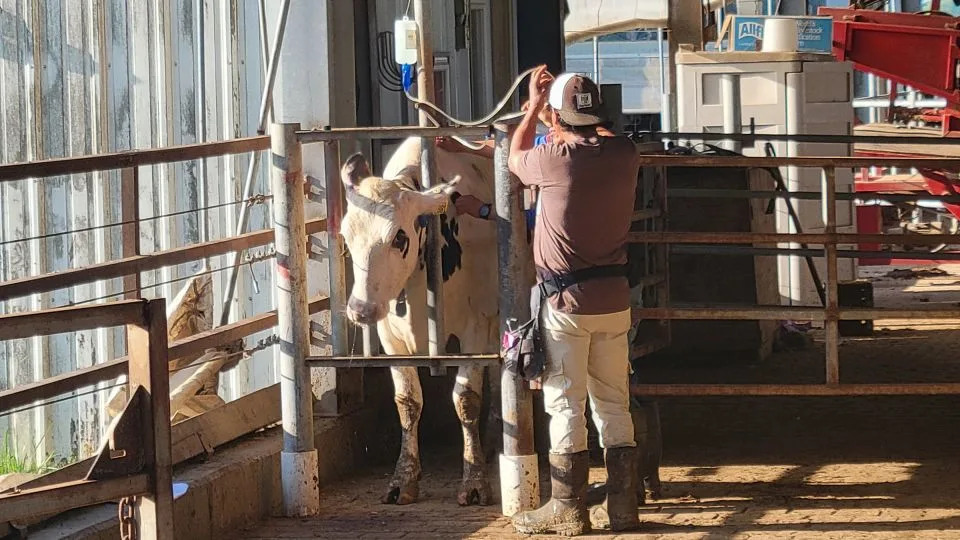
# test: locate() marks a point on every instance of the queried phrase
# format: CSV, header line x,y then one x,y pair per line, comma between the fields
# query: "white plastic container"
x,y
780,35
406,41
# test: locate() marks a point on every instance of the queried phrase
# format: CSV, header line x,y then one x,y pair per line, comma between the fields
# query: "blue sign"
x,y
814,34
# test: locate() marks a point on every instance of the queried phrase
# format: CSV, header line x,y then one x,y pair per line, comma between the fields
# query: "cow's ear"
x,y
446,188
355,170
425,203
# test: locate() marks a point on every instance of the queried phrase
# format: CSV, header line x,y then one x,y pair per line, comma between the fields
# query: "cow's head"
x,y
382,230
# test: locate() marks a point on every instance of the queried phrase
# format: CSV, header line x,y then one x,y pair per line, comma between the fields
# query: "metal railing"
x,y
516,401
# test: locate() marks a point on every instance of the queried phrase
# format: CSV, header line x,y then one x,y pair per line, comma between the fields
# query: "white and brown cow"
x,y
384,234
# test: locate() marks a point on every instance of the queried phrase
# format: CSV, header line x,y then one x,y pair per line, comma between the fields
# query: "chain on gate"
x,y
128,521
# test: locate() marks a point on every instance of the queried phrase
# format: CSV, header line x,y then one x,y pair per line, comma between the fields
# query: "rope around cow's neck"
x,y
423,105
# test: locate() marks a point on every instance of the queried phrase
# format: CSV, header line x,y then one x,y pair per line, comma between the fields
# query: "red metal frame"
x,y
920,51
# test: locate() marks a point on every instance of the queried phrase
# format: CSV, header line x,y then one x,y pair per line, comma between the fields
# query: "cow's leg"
x,y
467,394
405,485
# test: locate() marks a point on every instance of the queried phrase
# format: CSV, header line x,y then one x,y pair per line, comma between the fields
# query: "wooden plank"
x,y
133,158
70,319
129,265
58,498
148,370
218,426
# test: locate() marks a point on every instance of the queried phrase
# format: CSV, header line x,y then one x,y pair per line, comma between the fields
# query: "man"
x,y
587,184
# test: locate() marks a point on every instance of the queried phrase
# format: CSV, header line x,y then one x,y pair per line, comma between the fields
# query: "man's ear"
x,y
355,170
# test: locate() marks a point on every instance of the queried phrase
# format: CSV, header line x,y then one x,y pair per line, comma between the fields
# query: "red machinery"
x,y
920,51
916,50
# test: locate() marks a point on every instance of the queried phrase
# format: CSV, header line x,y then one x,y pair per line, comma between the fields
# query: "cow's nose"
x,y
363,312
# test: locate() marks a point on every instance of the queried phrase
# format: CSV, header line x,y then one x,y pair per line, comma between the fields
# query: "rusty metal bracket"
x,y
122,451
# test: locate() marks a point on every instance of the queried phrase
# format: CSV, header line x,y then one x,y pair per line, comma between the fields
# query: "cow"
x,y
383,229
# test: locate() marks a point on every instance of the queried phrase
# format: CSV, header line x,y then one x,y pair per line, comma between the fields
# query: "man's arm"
x,y
523,136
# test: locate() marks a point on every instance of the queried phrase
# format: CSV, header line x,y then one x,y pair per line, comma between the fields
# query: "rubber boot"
x,y
619,512
565,513
641,436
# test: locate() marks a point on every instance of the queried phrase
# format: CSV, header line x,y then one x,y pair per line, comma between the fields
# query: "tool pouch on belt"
x,y
523,351
522,345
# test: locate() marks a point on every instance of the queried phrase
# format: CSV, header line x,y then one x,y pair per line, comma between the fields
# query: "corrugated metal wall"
x,y
90,76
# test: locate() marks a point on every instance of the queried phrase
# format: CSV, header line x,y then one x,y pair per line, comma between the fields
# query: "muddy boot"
x,y
565,513
620,512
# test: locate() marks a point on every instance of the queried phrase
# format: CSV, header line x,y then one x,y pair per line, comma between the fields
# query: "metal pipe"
x,y
861,197
203,225
336,262
301,492
732,121
659,237
390,132
804,138
428,162
832,325
253,165
924,103
443,361
892,389
264,45
794,313
596,60
665,123
518,464
842,253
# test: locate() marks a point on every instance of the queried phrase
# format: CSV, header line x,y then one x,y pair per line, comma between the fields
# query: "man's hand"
x,y
540,81
470,205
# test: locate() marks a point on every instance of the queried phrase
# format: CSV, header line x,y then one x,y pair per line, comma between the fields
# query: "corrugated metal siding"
x,y
90,76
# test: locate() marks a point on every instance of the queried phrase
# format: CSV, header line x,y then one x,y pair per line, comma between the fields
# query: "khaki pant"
x,y
587,355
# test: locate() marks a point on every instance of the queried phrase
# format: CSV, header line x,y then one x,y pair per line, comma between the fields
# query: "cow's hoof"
x,y
405,493
475,491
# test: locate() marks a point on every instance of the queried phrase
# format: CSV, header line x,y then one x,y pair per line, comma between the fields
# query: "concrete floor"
x,y
878,467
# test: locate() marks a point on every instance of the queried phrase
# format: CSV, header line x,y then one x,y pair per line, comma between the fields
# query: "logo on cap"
x,y
584,100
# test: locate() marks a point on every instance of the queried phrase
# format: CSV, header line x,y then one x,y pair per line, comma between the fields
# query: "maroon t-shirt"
x,y
587,192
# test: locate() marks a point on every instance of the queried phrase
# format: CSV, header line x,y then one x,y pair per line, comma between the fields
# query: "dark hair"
x,y
582,131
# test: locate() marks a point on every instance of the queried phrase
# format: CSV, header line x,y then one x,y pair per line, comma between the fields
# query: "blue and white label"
x,y
814,34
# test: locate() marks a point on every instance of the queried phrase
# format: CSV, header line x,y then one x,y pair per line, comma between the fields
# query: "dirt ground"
x,y
734,467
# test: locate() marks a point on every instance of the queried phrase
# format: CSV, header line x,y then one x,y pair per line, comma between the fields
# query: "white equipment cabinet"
x,y
781,93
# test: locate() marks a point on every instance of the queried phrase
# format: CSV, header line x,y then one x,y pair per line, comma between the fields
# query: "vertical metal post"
x,y
665,123
333,191
147,349
428,162
596,60
832,324
298,460
130,215
519,478
200,114
253,166
732,120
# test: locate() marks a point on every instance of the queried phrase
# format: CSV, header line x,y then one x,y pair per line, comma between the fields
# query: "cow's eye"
x,y
401,241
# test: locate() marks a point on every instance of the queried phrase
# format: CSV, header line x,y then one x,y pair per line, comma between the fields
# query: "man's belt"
x,y
558,283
